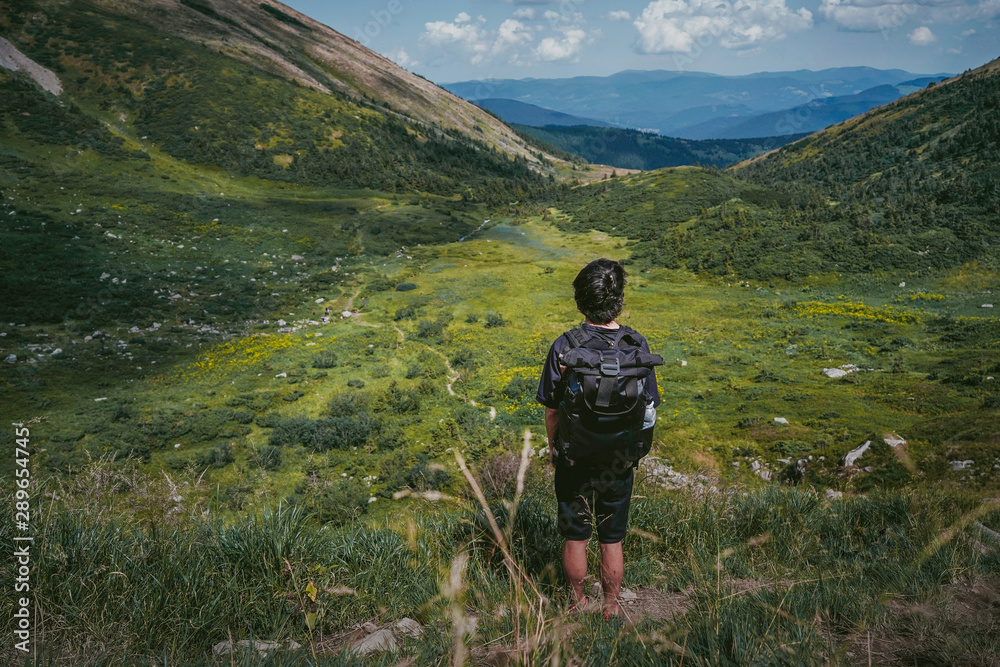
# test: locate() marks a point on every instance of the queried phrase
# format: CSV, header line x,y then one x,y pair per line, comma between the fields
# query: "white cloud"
x,y
566,47
676,26
876,15
512,33
470,37
524,13
954,52
618,16
968,33
922,36
402,58
512,41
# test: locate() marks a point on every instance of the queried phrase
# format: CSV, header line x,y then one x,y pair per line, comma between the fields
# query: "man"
x,y
591,495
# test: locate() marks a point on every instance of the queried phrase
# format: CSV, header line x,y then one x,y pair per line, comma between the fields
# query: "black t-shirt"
x,y
549,387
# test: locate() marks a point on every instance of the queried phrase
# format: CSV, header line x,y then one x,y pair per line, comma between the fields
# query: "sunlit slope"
x,y
272,37
201,105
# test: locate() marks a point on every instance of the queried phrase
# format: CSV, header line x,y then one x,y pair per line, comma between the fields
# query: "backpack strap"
x,y
577,337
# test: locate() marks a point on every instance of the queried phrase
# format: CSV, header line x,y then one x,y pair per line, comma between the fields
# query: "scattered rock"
x,y
264,648
961,465
841,371
320,300
764,475
666,477
834,495
628,595
781,420
893,440
987,305
11,359
298,258
380,641
281,375
409,628
856,453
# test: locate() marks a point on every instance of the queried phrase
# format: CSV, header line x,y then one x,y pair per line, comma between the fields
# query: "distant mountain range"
x,y
521,113
697,105
631,149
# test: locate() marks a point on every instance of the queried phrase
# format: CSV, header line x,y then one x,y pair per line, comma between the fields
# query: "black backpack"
x,y
604,399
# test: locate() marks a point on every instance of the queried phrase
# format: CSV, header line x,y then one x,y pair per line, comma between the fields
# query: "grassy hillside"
x,y
905,192
915,182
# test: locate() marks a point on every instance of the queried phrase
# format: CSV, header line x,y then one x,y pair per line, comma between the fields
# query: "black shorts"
x,y
589,496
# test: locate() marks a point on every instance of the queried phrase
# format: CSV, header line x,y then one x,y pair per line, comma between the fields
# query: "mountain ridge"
x,y
326,59
666,101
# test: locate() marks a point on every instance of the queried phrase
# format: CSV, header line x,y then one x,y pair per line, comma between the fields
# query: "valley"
x,y
276,329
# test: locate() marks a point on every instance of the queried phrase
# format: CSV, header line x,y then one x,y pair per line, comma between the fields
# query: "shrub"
x,y
405,313
269,457
426,477
325,360
520,388
242,416
356,383
472,318
494,319
268,419
339,502
398,401
428,329
406,287
790,447
217,457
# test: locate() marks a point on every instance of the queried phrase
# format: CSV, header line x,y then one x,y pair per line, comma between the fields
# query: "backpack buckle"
x,y
610,367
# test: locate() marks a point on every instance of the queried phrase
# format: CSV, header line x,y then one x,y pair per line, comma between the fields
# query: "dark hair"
x,y
599,290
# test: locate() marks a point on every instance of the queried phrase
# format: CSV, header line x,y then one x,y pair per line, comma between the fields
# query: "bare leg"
x,y
612,571
575,566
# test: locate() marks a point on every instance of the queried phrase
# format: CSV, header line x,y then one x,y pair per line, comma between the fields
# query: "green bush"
x,y
405,313
217,457
325,360
341,501
269,457
494,319
406,287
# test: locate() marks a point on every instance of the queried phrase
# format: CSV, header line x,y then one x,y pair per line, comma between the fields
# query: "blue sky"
x,y
457,40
